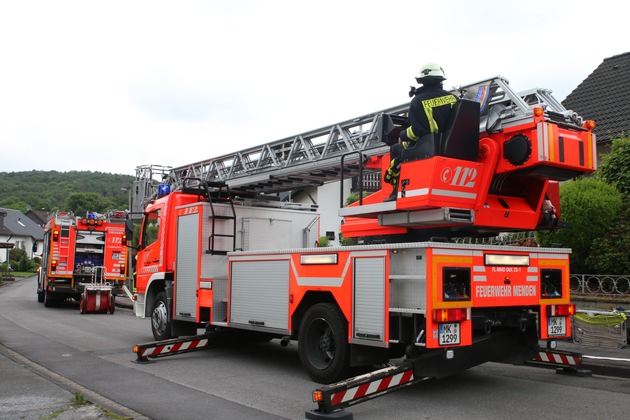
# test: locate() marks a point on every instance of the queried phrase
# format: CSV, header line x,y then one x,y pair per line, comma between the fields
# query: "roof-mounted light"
x,y
164,189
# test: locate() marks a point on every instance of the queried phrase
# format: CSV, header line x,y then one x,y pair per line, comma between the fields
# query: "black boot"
x,y
392,197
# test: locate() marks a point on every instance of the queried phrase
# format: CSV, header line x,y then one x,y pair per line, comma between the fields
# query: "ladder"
x,y
305,160
314,158
228,221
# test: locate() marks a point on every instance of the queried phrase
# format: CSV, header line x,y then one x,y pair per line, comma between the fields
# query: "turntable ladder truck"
x,y
219,250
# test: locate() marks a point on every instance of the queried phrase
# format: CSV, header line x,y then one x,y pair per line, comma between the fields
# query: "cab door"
x,y
150,255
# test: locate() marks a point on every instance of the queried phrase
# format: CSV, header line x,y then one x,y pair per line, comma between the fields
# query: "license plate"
x,y
449,334
556,326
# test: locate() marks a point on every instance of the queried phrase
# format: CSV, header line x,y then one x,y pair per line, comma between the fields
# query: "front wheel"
x,y
160,318
323,343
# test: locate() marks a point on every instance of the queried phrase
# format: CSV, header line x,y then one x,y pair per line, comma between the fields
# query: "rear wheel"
x,y
112,304
323,343
48,299
160,319
40,295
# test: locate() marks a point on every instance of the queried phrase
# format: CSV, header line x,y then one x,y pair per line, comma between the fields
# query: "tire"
x,y
112,304
48,299
40,288
82,304
323,343
160,318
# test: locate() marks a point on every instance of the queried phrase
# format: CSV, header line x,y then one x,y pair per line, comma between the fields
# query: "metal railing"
x,y
600,285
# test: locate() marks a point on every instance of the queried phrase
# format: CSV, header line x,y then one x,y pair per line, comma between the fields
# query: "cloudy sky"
x,y
110,85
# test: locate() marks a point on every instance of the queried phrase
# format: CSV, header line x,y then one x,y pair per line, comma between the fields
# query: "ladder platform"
x,y
387,215
368,211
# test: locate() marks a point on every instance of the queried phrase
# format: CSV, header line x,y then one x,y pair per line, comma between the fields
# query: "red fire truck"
x,y
80,251
226,252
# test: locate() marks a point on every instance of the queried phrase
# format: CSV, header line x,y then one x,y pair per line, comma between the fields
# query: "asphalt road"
x,y
263,381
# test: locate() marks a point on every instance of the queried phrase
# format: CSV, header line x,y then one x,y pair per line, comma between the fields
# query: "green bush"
x,y
324,241
591,207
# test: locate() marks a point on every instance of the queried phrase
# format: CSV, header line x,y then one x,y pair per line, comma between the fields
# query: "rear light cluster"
x,y
561,310
122,270
550,283
53,265
451,315
456,283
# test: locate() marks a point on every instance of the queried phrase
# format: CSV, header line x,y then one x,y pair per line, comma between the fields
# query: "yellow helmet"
x,y
431,72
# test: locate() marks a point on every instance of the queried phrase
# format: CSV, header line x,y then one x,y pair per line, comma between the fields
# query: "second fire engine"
x,y
79,251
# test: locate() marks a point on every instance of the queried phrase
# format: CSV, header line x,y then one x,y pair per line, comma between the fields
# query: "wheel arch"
x,y
311,298
159,282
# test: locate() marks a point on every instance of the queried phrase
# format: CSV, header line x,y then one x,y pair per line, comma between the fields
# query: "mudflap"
x,y
508,346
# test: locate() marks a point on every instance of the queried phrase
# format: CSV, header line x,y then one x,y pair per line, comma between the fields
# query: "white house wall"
x,y
327,198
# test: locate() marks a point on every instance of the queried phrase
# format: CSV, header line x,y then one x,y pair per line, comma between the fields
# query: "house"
x,y
604,96
23,233
40,217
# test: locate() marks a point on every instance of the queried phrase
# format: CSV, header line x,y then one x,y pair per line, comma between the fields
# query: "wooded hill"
x,y
76,191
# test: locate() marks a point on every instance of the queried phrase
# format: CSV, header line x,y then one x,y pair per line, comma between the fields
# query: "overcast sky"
x,y
111,85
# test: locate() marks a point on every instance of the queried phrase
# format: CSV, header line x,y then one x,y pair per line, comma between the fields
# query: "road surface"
x,y
266,381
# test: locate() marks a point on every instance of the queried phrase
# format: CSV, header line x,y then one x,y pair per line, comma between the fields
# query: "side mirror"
x,y
129,229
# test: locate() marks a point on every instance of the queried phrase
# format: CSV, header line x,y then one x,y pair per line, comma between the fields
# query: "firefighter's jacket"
x,y
428,112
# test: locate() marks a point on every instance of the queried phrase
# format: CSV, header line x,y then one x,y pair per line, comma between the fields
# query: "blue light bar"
x,y
164,189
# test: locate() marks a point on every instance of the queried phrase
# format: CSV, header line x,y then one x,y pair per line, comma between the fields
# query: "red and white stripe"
x,y
558,358
371,387
172,348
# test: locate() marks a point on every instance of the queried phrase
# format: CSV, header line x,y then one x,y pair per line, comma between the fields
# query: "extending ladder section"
x,y
314,158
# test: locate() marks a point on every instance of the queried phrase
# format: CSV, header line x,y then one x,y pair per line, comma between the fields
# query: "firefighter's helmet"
x,y
431,72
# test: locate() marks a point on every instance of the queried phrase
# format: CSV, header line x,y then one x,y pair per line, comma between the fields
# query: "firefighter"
x,y
428,113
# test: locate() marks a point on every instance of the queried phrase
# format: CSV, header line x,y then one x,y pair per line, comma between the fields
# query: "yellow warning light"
x,y
538,111
136,349
318,396
589,124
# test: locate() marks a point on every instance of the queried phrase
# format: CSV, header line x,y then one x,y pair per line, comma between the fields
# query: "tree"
x,y
82,203
49,190
609,253
591,207
613,167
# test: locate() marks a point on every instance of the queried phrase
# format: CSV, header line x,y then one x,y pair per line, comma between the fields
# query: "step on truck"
x,y
80,251
222,249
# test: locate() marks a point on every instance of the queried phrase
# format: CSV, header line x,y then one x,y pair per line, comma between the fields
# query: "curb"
x,y
607,366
